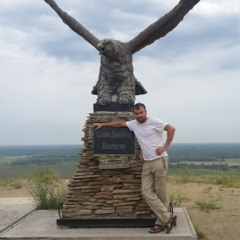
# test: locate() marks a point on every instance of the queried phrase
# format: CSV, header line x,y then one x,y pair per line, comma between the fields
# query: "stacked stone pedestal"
x,y
106,186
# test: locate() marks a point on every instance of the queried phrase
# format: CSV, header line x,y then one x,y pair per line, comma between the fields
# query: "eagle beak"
x,y
100,48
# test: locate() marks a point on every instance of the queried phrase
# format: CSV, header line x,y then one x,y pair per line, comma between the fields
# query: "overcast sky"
x,y
48,71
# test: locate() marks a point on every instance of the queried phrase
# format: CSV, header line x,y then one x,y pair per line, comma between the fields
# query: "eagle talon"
x,y
104,100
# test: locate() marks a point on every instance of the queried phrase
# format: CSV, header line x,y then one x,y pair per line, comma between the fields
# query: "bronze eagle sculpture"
x,y
116,81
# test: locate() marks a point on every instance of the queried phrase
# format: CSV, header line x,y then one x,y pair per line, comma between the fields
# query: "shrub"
x,y
185,175
46,175
16,184
43,191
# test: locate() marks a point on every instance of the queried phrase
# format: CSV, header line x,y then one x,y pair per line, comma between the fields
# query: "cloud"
x,y
48,71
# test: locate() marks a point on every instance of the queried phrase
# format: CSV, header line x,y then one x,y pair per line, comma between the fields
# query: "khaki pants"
x,y
154,187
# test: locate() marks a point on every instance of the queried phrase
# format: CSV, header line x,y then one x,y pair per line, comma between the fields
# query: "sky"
x,y
48,71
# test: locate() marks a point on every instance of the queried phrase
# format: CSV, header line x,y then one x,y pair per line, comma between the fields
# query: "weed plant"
x,y
200,233
177,199
208,189
46,175
185,175
12,183
44,191
16,183
227,180
207,205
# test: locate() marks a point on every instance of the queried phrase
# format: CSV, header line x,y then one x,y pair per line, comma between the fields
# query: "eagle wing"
x,y
74,24
162,26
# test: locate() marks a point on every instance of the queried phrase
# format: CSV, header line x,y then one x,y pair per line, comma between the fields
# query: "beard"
x,y
142,119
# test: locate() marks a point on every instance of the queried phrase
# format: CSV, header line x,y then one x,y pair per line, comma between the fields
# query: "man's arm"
x,y
170,134
110,124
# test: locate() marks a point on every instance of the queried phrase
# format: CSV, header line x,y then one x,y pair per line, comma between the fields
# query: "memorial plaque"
x,y
111,140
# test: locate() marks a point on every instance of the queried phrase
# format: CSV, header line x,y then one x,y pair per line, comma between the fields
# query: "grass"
x,y
7,160
16,183
200,234
46,175
208,189
185,175
64,170
12,183
177,199
45,190
227,180
207,205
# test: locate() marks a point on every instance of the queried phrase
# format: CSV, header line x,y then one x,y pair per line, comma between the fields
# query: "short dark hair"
x,y
138,105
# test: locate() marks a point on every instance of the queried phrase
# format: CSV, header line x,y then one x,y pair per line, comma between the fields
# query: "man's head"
x,y
140,112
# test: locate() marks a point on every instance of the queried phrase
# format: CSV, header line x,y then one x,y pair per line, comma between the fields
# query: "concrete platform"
x,y
13,210
41,224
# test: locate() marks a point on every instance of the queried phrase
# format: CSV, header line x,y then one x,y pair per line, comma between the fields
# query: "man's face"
x,y
140,115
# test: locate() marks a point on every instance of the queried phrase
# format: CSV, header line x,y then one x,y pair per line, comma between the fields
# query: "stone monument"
x,y
107,182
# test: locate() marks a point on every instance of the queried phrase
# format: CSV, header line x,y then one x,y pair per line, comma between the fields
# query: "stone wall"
x,y
106,186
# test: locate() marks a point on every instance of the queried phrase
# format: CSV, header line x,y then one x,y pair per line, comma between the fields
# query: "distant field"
x,y
230,162
68,169
21,161
64,170
8,160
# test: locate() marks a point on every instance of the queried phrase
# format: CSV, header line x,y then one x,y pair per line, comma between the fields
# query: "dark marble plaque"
x,y
111,140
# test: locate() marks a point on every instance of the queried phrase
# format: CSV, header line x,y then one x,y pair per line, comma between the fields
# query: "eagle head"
x,y
111,49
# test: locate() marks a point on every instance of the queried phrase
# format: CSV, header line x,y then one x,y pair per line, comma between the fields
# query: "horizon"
x,y
173,143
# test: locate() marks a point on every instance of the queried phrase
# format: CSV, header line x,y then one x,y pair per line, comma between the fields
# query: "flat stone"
x,y
124,210
14,209
104,211
113,165
85,212
78,213
121,196
126,191
124,204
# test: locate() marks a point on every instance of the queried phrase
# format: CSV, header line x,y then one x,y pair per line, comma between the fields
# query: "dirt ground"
x,y
217,221
220,223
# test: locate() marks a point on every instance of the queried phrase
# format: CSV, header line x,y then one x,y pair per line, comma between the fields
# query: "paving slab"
x,y
41,224
14,209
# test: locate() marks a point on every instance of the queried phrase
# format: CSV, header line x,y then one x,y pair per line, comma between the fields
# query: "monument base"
x,y
106,222
112,107
106,186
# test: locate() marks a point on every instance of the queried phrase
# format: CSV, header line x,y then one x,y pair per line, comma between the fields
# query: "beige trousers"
x,y
154,187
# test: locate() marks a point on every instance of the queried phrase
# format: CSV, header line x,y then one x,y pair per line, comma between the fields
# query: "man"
x,y
149,133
